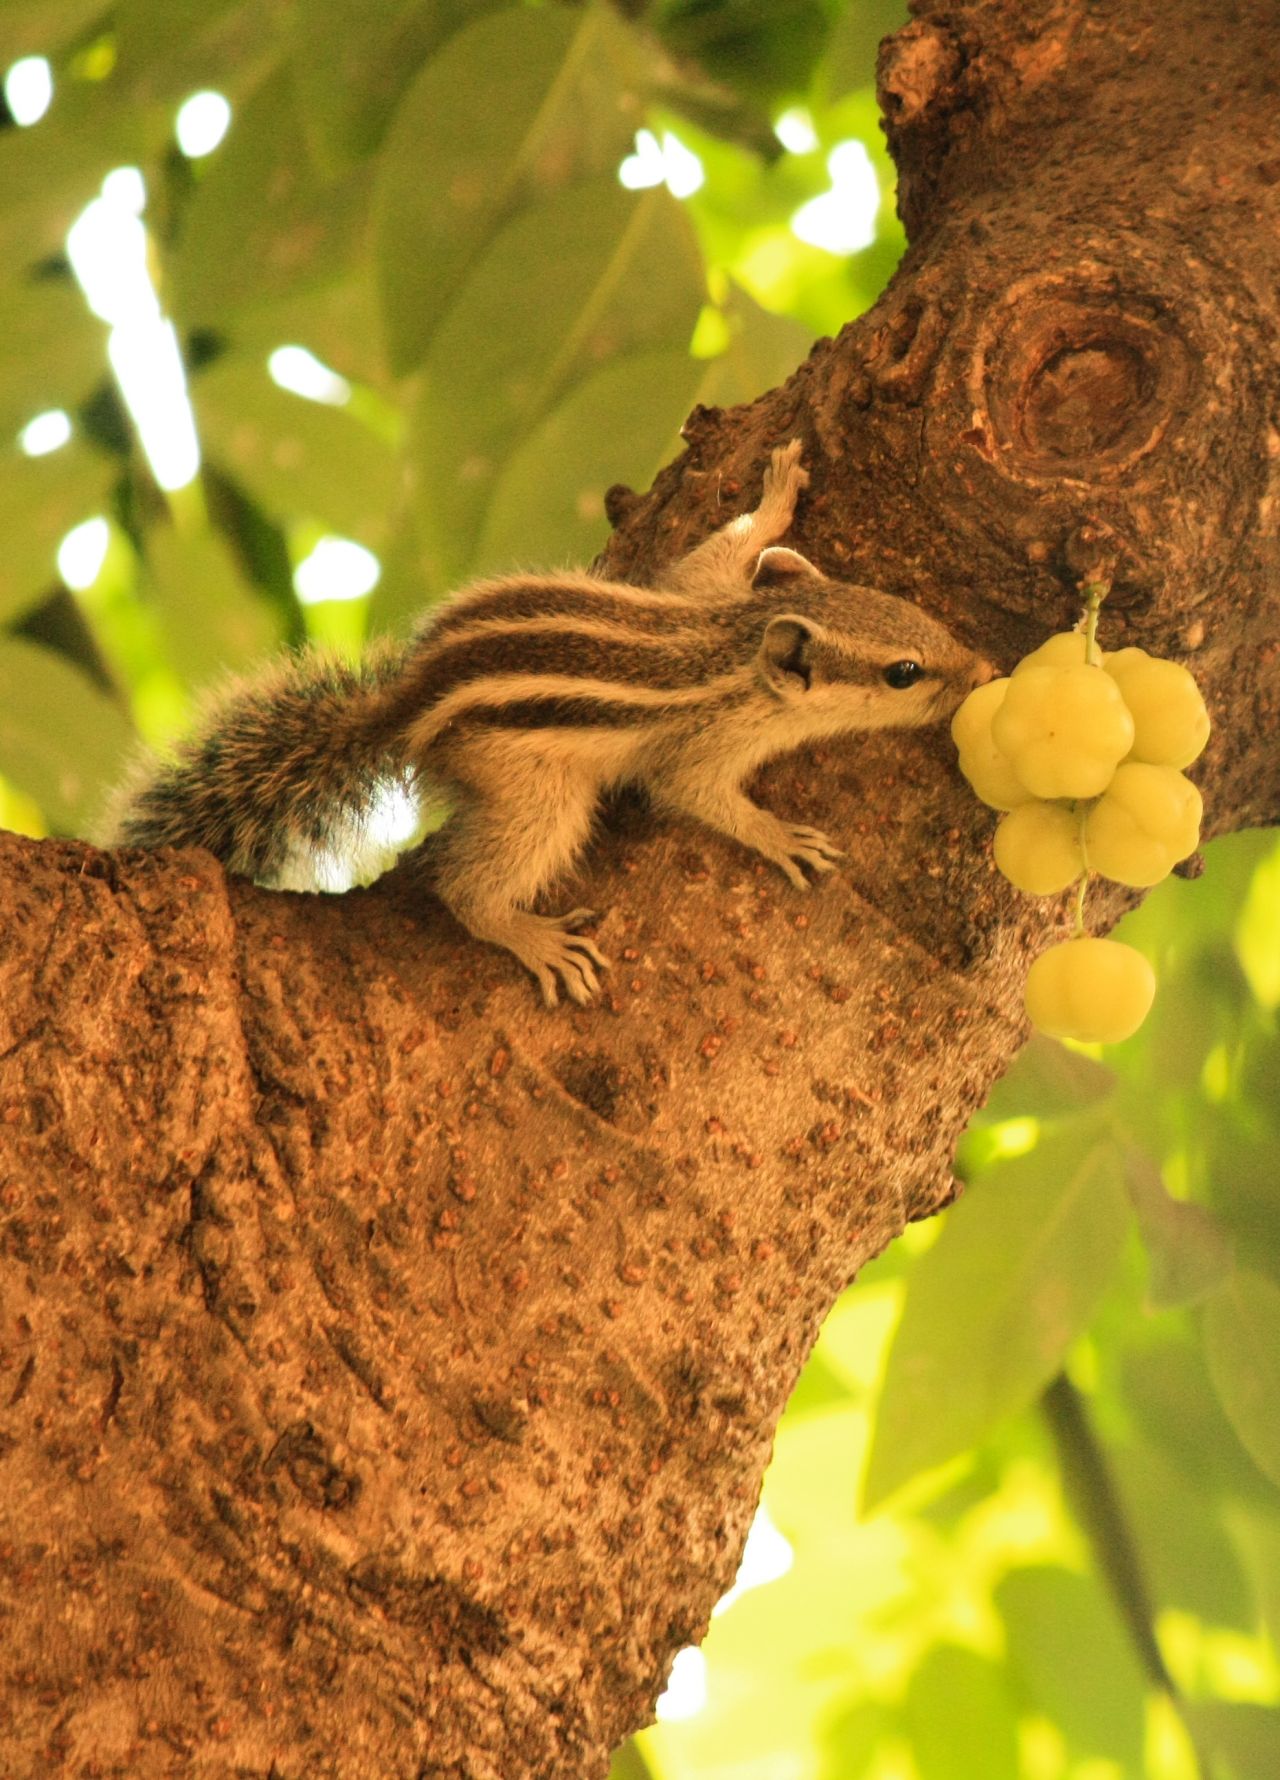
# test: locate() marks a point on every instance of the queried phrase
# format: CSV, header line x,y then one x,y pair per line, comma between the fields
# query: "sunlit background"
x,y
109,253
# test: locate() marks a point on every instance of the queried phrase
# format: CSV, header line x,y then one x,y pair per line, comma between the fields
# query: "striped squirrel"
x,y
521,701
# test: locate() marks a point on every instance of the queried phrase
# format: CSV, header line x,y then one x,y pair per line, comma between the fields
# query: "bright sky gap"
x,y
107,247
28,90
201,123
336,569
45,432
303,374
666,162
795,131
842,220
82,552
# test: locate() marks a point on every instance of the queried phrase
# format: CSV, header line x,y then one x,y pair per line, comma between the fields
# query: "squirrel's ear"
x,y
777,564
786,655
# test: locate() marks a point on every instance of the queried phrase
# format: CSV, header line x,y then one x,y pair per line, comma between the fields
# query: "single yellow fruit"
x,y
1147,819
1037,847
971,725
1065,649
993,779
981,761
1095,990
1063,729
1170,723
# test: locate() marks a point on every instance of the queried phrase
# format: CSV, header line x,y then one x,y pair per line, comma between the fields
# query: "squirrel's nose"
x,y
984,670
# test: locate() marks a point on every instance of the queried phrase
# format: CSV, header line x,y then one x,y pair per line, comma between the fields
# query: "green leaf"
x,y
168,48
1074,1661
211,620
850,59
1047,1081
61,739
1191,1562
1189,1250
763,48
1258,1530
1209,908
1202,995
961,1717
41,27
817,1388
400,598
601,274
41,498
993,1306
762,352
297,458
1257,935
629,1764
615,427
353,60
560,102
54,350
849,1741
338,322
263,224
1241,1732
1168,1392
1260,1074
1242,1345
1239,1161
855,1337
48,173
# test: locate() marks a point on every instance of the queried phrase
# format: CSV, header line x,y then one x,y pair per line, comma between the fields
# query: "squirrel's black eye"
x,y
902,674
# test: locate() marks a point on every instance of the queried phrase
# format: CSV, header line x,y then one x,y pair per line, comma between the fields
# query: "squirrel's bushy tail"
x,y
287,763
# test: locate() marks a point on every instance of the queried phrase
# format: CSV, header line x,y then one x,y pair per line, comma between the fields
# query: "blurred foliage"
x,y
1027,1495
425,195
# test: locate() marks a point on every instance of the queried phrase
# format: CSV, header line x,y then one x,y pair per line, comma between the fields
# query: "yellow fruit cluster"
x,y
1083,752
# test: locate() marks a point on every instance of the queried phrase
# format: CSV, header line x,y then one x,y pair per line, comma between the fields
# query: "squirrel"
x,y
521,701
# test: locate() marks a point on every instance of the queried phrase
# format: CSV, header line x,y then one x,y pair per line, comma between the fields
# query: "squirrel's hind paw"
x,y
784,478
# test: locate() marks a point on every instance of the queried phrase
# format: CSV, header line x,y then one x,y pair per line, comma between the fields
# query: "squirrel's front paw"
x,y
806,846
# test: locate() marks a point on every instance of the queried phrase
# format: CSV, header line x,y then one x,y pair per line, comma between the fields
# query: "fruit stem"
x,y
1094,594
1082,813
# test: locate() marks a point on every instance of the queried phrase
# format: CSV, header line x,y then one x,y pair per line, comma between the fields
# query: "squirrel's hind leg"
x,y
506,842
722,564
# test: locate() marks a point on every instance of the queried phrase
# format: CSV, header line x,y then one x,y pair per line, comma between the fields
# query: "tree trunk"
x,y
388,1366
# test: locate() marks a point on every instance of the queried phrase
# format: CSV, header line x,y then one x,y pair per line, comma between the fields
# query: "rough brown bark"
x,y
388,1366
